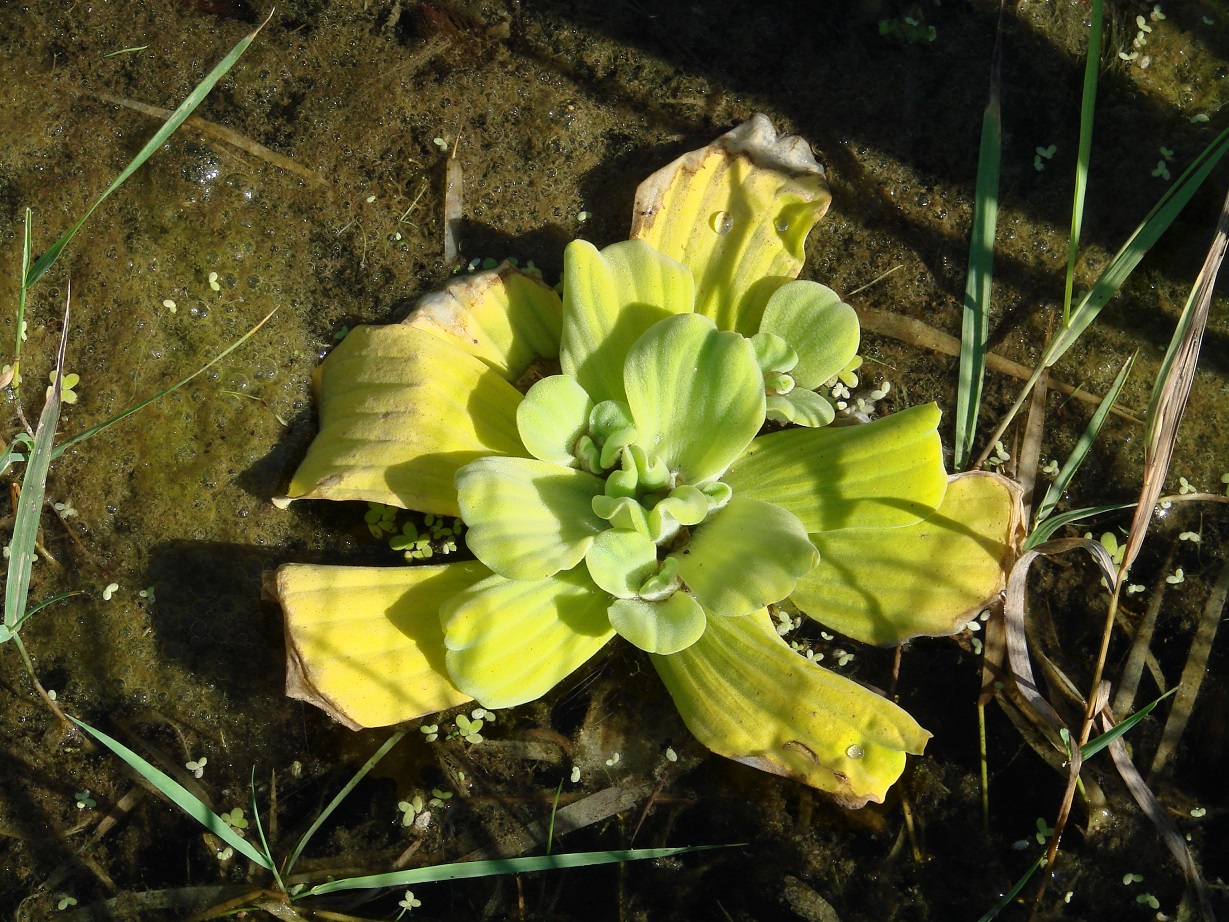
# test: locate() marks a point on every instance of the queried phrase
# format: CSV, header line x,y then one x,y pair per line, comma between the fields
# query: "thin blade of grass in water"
x,y
168,128
1141,240
33,488
341,795
1088,104
975,324
260,831
1095,745
1042,532
179,795
1083,446
107,423
6,631
1120,267
1016,888
467,869
11,454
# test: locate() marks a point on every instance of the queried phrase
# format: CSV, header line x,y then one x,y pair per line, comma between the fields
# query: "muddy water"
x,y
556,112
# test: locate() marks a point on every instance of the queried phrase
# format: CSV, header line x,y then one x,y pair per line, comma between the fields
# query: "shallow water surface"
x,y
556,111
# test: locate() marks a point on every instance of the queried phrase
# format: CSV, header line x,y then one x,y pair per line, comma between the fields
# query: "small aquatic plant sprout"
x,y
635,490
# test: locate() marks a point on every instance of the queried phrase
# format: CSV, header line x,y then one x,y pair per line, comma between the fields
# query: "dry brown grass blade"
x,y
1192,674
1173,388
1014,609
1152,808
922,336
1030,452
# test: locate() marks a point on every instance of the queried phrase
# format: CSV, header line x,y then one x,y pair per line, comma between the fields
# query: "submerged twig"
x,y
221,133
1192,674
924,336
453,182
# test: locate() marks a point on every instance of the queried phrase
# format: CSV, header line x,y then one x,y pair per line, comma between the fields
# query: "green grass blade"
x,y
11,454
260,831
1010,895
1042,532
467,869
1083,446
1095,745
1137,245
106,424
7,632
341,795
975,324
1088,104
179,795
30,506
168,128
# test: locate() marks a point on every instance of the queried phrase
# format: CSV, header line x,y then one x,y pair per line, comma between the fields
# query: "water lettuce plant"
x,y
673,477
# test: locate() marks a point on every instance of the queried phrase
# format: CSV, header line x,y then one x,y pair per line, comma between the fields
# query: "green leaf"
x,y
880,474
746,695
976,315
802,408
620,560
886,585
528,519
512,641
1095,745
179,795
1042,532
469,869
664,627
697,396
1088,106
609,299
746,556
177,118
822,329
30,505
553,415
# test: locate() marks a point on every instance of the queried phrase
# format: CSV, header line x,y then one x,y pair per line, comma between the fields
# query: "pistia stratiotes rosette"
x,y
633,493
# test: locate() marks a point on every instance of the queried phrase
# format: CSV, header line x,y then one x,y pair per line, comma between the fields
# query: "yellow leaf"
x,y
401,411
364,644
504,317
736,213
746,695
884,586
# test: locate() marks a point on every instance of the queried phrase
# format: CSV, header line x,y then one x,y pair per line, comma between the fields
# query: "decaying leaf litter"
x,y
901,198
